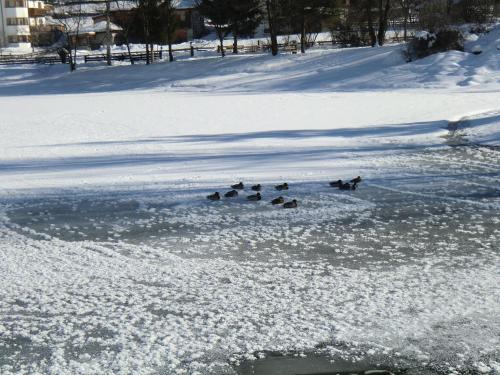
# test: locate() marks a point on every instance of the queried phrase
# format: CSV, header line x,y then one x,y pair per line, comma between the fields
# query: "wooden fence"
x,y
289,47
17,60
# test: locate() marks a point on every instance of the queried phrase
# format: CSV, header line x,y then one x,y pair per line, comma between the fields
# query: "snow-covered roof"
x,y
100,7
99,27
83,25
185,4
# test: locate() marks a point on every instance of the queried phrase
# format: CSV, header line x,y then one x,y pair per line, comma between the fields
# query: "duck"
x,y
256,197
214,197
281,187
257,187
346,186
239,186
279,200
231,194
292,204
356,180
336,183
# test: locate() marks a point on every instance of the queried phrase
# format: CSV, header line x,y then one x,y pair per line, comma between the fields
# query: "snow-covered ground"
x,y
113,261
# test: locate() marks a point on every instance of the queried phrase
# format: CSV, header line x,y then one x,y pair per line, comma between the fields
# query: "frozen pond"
x,y
412,251
435,203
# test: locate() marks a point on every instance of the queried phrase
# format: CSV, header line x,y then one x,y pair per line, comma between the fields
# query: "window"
x,y
15,3
17,21
18,38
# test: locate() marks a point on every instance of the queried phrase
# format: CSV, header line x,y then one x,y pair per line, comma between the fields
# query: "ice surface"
x,y
168,280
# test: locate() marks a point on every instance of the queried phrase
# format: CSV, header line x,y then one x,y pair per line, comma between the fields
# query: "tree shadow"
x,y
382,131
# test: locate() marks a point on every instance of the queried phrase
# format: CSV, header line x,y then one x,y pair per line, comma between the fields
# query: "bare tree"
x,y
407,8
125,17
384,7
434,15
148,10
70,17
245,16
169,22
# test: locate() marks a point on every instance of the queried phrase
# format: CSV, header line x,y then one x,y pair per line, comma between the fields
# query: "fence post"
x,y
191,49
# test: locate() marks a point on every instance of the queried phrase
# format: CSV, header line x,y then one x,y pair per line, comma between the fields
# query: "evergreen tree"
x,y
219,14
307,16
245,16
272,12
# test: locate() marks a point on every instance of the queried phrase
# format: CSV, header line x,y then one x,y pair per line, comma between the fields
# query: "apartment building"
x,y
17,17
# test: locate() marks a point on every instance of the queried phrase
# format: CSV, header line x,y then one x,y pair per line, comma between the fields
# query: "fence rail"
x,y
9,60
288,47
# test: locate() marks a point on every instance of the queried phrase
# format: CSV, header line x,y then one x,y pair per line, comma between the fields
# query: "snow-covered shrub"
x,y
426,43
477,50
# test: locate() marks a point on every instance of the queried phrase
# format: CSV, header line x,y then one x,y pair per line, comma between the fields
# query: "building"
x,y
190,24
93,33
17,19
14,23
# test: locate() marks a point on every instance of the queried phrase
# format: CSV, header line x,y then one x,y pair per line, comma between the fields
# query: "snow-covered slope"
x,y
318,71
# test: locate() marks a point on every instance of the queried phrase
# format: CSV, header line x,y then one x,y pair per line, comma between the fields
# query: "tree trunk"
x,y
152,52
369,16
405,25
147,54
222,52
108,34
235,42
170,52
303,40
72,65
271,12
383,19
70,52
128,50
73,60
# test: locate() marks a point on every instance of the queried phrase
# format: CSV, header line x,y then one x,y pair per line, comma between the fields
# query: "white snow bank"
x,y
483,129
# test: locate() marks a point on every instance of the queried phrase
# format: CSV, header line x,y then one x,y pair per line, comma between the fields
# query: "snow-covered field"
x,y
113,261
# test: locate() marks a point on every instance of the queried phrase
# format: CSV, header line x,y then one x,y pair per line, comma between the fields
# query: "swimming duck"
x,y
257,187
238,186
356,180
214,197
256,197
346,186
336,183
231,194
279,200
281,187
292,204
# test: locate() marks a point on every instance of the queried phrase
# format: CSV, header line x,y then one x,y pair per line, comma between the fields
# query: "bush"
x,y
426,44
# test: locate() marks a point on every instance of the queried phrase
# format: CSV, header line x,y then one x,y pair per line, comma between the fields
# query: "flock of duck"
x,y
341,185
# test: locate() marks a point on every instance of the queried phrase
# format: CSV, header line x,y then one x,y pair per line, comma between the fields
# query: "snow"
x,y
114,262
